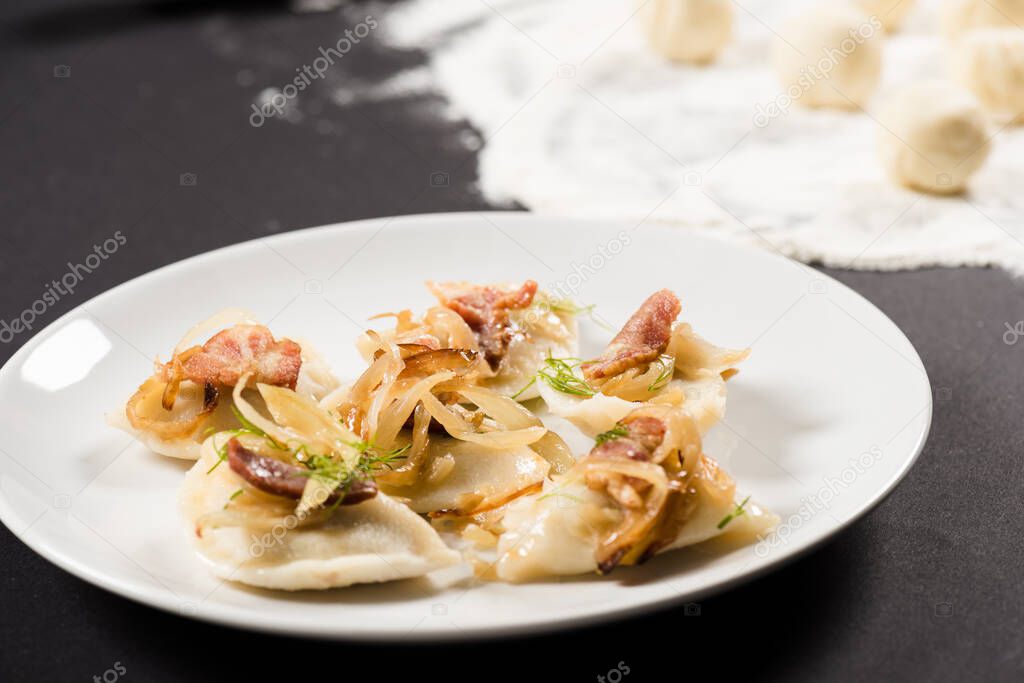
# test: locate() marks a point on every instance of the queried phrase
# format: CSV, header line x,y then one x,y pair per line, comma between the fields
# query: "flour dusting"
x,y
580,118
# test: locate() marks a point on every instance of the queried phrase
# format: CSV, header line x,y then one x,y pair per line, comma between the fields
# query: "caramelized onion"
x,y
450,329
362,403
175,375
393,357
458,361
397,414
268,427
513,415
695,355
406,473
409,349
648,471
145,410
310,424
638,521
455,425
639,383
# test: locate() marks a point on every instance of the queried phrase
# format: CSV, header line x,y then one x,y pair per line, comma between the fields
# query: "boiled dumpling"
x,y
260,540
173,411
512,327
545,331
464,449
592,415
644,490
463,478
652,359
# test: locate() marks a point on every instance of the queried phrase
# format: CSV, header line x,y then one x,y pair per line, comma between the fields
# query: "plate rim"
x,y
234,616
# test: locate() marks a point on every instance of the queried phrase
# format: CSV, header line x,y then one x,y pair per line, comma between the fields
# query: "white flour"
x,y
580,118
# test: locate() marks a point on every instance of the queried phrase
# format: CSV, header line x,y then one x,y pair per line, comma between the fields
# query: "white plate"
x,y
824,419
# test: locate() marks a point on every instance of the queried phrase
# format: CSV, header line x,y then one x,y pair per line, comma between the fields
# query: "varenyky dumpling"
x,y
175,409
290,503
302,483
653,359
644,489
461,478
465,448
513,328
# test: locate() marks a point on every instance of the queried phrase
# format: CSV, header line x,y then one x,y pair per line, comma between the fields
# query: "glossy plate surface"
x,y
824,419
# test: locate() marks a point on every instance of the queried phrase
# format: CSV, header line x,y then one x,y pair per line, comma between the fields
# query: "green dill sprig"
x,y
559,492
566,496
249,428
335,473
533,380
738,512
560,375
246,428
668,368
323,466
372,456
234,495
614,433
329,469
569,307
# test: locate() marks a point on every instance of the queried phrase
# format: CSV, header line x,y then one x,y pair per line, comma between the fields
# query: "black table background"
x,y
928,586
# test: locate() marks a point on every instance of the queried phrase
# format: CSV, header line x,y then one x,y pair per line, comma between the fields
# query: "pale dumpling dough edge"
x,y
377,540
556,532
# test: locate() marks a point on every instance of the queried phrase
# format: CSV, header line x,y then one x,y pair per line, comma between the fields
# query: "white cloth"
x,y
581,118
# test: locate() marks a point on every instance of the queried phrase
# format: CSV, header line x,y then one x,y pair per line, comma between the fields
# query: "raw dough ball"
x,y
960,16
687,30
933,137
837,58
890,12
990,62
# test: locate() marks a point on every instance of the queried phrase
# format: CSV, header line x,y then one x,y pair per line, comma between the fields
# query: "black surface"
x,y
927,587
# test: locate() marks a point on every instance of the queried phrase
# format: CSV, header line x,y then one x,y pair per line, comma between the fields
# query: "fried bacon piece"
x,y
645,431
641,340
279,478
485,309
643,436
238,350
